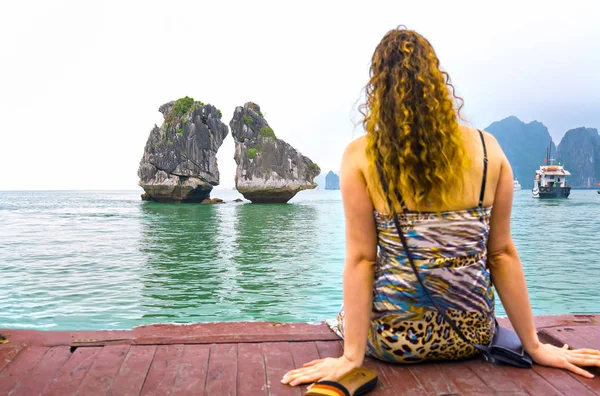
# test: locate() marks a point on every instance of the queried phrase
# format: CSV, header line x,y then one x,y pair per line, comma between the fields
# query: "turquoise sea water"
x,y
99,260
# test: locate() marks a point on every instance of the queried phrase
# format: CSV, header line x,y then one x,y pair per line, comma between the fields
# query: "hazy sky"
x,y
81,81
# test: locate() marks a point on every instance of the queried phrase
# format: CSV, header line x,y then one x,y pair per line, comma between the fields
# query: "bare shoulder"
x,y
494,151
357,147
355,152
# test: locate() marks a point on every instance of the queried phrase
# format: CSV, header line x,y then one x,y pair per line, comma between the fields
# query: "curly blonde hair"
x,y
412,124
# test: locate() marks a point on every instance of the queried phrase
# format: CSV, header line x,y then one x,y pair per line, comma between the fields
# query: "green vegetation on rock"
x,y
219,113
180,132
252,152
314,166
183,105
247,119
266,132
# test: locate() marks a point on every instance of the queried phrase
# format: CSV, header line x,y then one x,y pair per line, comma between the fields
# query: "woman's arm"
x,y
509,280
361,253
504,262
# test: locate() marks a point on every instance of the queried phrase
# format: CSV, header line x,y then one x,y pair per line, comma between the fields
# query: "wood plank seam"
x,y
148,371
417,379
16,385
207,370
486,382
83,381
548,382
267,387
576,376
145,375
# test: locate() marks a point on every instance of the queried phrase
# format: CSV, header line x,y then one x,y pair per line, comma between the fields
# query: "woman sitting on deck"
x,y
452,188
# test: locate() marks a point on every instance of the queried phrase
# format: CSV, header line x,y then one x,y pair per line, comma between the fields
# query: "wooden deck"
x,y
251,358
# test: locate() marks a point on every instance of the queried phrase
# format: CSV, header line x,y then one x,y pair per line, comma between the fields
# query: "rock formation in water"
x,y
269,170
524,145
332,181
579,152
179,162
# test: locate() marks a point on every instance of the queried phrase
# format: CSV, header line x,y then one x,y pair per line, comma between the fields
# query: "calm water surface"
x,y
97,260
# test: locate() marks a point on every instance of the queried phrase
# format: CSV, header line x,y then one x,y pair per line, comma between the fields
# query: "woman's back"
x,y
449,248
466,196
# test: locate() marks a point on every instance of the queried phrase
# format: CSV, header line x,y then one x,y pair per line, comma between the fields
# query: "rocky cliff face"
x,y
179,162
524,145
332,181
269,170
579,152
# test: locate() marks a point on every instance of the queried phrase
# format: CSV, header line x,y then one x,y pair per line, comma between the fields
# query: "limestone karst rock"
x,y
579,152
179,162
332,181
269,170
524,145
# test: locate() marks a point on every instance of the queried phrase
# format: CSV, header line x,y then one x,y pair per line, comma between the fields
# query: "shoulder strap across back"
x,y
485,166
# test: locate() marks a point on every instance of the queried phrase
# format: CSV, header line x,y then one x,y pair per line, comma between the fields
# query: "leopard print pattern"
x,y
430,338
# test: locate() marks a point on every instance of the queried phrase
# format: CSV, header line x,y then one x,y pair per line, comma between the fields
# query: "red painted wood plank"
x,y
465,379
591,384
433,380
252,373
400,378
529,380
330,349
303,352
72,372
43,373
575,336
382,381
132,374
493,377
222,370
278,361
228,332
7,354
19,367
562,381
163,370
192,371
104,369
199,333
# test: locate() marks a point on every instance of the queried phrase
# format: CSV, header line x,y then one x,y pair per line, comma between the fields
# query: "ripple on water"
x,y
91,260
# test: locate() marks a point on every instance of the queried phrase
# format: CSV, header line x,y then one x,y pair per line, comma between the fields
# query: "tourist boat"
x,y
516,185
551,180
598,188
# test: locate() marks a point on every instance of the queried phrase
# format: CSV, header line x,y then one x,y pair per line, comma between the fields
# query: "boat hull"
x,y
551,192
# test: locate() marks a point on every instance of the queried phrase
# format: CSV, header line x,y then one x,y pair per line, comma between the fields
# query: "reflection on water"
x,y
273,253
231,262
178,242
91,260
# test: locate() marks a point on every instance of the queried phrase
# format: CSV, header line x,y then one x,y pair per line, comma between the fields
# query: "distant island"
x,y
525,147
332,181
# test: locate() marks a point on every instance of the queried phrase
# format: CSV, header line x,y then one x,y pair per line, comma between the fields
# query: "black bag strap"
x,y
485,166
440,309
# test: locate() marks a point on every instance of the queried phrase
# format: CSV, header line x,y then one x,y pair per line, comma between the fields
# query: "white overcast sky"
x,y
81,81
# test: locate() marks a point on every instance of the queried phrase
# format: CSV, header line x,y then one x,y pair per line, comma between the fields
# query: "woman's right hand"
x,y
551,356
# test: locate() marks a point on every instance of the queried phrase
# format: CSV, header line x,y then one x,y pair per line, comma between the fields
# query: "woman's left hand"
x,y
328,369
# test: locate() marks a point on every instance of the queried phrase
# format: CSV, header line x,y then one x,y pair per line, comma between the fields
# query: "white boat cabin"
x,y
552,176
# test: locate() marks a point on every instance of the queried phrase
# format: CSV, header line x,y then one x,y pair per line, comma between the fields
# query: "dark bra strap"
x,y
485,166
